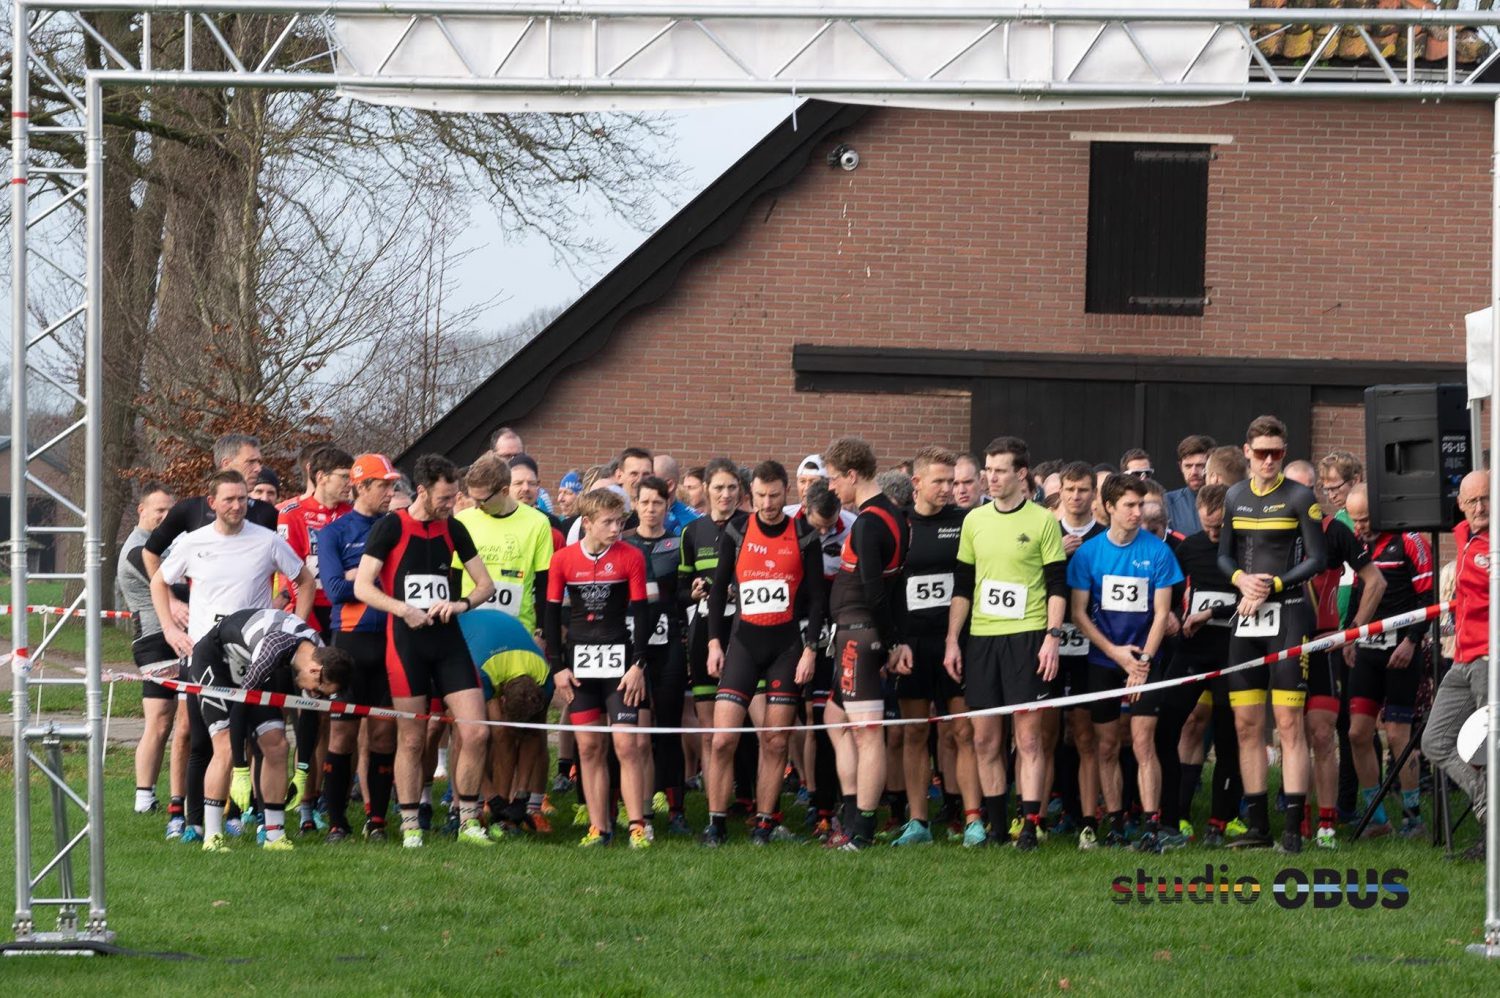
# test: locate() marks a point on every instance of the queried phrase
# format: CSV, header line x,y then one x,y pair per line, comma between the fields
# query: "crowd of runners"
x,y
779,622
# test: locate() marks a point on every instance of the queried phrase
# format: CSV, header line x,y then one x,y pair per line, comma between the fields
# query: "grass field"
x,y
540,915
66,651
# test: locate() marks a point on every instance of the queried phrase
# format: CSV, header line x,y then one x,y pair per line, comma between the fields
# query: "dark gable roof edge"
x,y
643,277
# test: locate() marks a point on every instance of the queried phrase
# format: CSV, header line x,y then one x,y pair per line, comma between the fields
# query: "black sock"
x,y
564,766
1296,808
1257,813
864,825
848,811
1091,822
899,806
1117,821
382,776
337,771
719,822
953,803
1031,815
997,813
1188,788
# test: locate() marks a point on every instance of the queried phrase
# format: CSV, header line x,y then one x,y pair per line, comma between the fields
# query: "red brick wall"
x,y
1344,231
1338,427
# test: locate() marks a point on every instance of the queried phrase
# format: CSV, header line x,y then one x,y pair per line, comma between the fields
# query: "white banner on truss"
x,y
718,50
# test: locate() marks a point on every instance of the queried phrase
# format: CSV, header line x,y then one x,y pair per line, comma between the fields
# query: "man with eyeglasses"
x,y
1182,504
1270,547
1463,690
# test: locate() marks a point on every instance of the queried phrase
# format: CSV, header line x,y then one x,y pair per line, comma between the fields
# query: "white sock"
x,y
213,817
275,823
534,803
144,799
427,795
442,759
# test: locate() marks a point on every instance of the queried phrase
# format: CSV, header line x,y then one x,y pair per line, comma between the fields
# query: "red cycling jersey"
x,y
298,523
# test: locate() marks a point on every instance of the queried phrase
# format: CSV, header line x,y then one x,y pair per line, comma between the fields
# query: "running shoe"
x,y
914,834
175,826
148,807
580,816
1291,842
974,835
1149,842
299,787
711,838
217,842
548,808
781,833
1378,830
823,830
677,826
562,784
375,832
411,838
234,827
1253,838
1326,838
283,844
1185,827
538,823
639,839
191,834
337,834
496,831
855,843
760,835
1027,840
1235,828
1412,827
1115,839
1087,839
1213,838
595,839
472,833
452,826
1173,840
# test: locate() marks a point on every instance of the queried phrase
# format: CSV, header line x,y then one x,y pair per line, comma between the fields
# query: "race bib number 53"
x,y
1002,599
1124,594
425,591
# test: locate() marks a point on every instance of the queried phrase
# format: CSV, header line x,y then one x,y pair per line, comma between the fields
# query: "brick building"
x,y
1091,281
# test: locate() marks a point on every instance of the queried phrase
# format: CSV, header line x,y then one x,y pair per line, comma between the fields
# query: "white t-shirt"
x,y
228,572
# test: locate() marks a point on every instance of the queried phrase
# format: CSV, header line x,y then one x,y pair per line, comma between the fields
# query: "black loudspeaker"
x,y
1418,450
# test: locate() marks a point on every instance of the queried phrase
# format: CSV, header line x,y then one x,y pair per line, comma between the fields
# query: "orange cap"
x,y
368,467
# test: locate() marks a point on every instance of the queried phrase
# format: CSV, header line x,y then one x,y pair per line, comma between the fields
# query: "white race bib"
x,y
702,607
1002,599
659,635
766,596
929,592
425,591
311,561
506,598
1125,594
1073,642
1263,623
1208,600
653,591
598,661
1383,640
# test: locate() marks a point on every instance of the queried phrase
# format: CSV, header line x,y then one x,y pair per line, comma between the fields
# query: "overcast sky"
x,y
707,141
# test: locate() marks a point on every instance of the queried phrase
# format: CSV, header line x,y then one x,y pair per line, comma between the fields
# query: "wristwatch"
x,y
1056,632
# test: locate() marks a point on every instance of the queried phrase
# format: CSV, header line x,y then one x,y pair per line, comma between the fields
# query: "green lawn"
x,y
543,916
66,652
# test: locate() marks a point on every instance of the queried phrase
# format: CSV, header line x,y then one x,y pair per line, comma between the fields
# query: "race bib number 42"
x,y
425,591
598,661
929,592
1002,599
1265,622
1124,594
1206,600
765,597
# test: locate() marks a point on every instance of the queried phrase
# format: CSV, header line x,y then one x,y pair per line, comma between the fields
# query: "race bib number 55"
x,y
929,592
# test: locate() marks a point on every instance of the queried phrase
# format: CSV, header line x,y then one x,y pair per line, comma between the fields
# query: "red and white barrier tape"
x,y
1325,643
63,611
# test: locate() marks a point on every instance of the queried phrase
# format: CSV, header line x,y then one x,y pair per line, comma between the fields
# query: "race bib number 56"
x,y
1002,599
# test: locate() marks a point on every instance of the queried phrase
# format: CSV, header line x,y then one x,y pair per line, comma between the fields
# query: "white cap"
x,y
812,464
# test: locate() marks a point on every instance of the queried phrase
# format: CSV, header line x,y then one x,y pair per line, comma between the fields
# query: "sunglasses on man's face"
x,y
1142,472
1268,453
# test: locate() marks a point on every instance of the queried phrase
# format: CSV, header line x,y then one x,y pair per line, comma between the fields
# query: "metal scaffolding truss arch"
x,y
559,53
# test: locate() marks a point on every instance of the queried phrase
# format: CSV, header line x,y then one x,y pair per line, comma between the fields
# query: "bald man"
x,y
1464,688
679,514
1387,667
